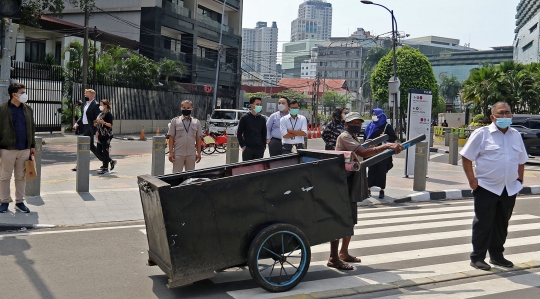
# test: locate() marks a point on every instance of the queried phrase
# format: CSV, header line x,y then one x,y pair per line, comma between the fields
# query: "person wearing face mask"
x,y
17,145
334,128
273,133
252,132
104,123
500,157
185,133
348,141
377,173
293,129
90,111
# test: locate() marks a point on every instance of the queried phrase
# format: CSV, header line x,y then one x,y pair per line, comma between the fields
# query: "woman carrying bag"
x,y
377,172
104,123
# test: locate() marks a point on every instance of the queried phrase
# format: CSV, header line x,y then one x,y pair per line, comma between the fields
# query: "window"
x,y
347,53
527,46
34,51
357,64
320,63
209,13
533,28
357,53
356,74
346,64
58,52
355,83
346,74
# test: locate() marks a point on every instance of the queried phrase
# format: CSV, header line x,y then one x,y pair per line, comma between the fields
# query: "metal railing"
x,y
178,9
213,23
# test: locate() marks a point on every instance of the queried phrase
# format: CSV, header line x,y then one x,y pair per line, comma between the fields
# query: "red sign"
x,y
207,88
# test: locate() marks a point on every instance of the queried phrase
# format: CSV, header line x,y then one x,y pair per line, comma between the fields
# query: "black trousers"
x,y
274,147
490,225
103,149
87,130
329,147
252,154
287,148
377,173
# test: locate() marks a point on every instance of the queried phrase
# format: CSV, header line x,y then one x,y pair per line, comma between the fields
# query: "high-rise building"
x,y
526,41
314,21
259,48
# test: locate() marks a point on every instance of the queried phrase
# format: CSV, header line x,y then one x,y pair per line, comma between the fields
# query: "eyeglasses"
x,y
504,113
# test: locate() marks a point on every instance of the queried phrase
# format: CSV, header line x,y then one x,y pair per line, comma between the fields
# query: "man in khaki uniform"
x,y
185,139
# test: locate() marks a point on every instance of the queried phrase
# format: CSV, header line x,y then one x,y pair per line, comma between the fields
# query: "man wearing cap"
x,y
348,141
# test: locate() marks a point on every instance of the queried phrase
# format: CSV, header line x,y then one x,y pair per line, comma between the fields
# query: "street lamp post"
x,y
394,81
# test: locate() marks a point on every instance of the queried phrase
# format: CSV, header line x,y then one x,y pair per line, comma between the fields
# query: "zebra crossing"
x,y
397,243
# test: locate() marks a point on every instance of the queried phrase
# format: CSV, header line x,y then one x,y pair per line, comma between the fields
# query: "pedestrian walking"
x,y
104,134
17,145
293,129
500,156
273,131
377,173
90,112
185,133
252,131
334,128
348,141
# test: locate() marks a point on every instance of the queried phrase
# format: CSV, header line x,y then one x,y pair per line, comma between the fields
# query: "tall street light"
x,y
393,84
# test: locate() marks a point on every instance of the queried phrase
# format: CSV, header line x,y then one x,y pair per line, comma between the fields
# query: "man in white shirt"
x,y
273,128
500,157
293,129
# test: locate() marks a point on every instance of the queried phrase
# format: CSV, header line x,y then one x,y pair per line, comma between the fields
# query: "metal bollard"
x,y
420,166
431,133
453,149
158,155
446,136
232,150
305,142
83,164
33,186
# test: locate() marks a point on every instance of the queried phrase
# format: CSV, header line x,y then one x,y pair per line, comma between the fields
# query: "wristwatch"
x,y
520,181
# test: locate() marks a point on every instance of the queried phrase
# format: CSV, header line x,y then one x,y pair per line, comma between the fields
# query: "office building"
x,y
294,54
314,21
526,41
259,51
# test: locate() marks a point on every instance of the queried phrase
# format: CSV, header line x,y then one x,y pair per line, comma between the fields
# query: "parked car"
x,y
530,121
531,139
225,119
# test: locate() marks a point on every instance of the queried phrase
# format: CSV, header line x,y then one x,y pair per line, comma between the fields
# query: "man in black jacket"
x,y
90,111
252,132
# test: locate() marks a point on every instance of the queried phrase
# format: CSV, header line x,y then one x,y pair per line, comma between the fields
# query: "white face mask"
x,y
23,98
281,107
374,118
101,108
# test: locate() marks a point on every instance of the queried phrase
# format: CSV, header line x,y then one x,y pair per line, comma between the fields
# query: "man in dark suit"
x,y
90,111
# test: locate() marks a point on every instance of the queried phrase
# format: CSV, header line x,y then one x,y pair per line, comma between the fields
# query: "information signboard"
x,y
418,122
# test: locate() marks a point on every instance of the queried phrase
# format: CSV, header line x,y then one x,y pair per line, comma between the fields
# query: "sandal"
x,y
340,265
352,259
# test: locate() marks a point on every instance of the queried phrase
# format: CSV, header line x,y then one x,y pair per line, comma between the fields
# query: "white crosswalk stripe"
x,y
393,247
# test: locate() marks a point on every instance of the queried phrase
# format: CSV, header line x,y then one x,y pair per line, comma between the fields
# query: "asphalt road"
x,y
109,261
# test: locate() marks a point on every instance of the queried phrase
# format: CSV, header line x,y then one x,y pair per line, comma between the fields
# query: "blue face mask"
x,y
503,123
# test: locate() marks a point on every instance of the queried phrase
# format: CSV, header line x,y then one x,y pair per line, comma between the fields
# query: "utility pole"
x,y
85,48
5,68
218,62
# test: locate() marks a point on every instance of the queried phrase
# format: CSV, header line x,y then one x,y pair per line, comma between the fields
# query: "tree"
x,y
33,10
439,106
449,88
171,67
291,94
333,99
413,70
260,94
482,88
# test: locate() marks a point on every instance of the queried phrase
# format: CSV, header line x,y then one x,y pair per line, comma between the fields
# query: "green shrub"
x,y
478,117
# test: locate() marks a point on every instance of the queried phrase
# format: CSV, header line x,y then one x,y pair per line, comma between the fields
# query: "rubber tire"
x,y
221,148
208,150
258,242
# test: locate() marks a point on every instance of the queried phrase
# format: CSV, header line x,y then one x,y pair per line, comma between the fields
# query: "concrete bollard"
x,y
305,142
420,166
446,136
431,133
159,143
232,150
453,149
83,164
33,186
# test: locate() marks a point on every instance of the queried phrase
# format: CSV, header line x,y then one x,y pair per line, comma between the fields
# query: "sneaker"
x,y
103,171
501,261
113,164
101,167
21,207
369,193
381,194
4,207
74,169
481,265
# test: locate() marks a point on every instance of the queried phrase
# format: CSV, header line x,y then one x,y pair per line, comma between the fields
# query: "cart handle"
x,y
377,140
389,152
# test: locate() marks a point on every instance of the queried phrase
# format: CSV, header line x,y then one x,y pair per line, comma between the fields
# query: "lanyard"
x,y
189,125
293,126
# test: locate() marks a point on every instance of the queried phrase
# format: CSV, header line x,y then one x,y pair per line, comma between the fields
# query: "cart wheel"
x,y
209,149
279,257
221,148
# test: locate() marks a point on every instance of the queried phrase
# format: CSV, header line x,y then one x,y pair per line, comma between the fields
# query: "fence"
x,y
44,86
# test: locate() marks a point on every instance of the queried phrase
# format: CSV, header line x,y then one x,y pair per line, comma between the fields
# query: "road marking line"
x,y
70,231
415,211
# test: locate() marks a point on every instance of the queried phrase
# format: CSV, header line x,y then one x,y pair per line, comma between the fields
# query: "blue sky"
x,y
485,23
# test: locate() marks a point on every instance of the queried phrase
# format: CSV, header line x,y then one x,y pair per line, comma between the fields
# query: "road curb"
x,y
407,283
455,194
9,226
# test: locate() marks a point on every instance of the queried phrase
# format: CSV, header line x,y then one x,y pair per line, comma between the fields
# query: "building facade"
x,y
294,54
259,51
314,21
187,31
526,41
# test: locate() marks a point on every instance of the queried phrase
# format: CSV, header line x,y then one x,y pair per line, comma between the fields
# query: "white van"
x,y
222,119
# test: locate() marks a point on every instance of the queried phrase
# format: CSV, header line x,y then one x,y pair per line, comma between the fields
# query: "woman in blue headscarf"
x,y
376,128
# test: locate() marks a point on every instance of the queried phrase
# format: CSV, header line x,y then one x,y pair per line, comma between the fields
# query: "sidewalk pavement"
x,y
115,197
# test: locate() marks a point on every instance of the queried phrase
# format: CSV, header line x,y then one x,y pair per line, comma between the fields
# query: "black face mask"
x,y
186,112
354,129
86,98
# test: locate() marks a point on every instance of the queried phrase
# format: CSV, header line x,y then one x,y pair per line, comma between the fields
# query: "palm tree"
x,y
449,88
482,87
170,67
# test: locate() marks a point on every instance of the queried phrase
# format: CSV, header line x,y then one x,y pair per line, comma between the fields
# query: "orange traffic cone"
x,y
319,131
157,131
143,136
